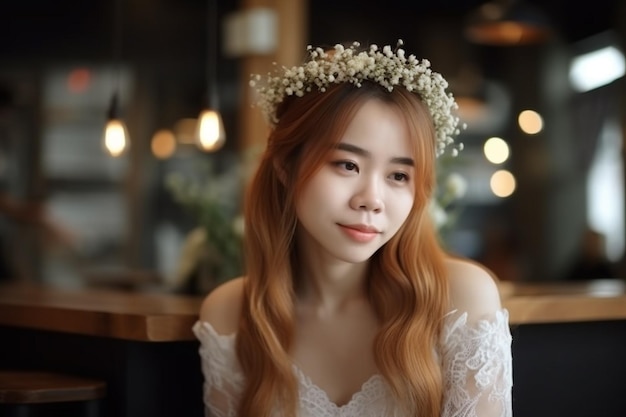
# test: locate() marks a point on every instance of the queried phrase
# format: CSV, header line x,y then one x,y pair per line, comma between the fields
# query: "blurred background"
x,y
538,190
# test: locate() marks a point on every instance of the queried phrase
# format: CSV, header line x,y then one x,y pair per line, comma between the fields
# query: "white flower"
x,y
437,213
456,185
238,225
388,68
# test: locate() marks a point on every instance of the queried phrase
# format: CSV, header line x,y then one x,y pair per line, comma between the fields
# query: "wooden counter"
x,y
106,313
563,302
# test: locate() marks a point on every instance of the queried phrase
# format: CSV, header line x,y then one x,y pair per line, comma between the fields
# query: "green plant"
x,y
212,198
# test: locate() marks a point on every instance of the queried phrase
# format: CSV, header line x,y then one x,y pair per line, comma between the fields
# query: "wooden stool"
x,y
23,391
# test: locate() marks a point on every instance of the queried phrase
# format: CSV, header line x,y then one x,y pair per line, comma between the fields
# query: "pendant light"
x,y
210,135
508,23
116,140
115,132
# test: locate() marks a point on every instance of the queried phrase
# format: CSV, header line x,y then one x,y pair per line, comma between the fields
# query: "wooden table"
x,y
147,317
569,348
563,302
141,344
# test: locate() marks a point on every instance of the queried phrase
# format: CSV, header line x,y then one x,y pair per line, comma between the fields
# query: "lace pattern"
x,y
477,366
370,401
223,379
477,369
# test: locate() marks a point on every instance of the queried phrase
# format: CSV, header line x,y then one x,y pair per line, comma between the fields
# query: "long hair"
x,y
406,282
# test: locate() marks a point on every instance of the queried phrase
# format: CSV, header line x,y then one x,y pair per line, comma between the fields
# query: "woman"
x,y
349,306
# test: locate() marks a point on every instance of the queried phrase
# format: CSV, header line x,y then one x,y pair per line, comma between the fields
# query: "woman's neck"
x,y
331,288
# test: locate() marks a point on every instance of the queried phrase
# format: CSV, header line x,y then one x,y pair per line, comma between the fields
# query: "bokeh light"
x,y
163,143
502,183
530,122
496,150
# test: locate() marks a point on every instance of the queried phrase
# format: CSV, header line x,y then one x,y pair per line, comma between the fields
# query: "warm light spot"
x,y
511,32
163,144
471,108
185,130
210,131
530,122
496,150
78,80
115,137
502,183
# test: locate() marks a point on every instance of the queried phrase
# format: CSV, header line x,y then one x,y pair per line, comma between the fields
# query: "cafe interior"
x,y
128,131
541,171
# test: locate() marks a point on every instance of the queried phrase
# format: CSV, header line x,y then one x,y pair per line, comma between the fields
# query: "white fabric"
x,y
476,360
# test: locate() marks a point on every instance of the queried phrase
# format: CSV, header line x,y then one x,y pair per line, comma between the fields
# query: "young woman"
x,y
349,306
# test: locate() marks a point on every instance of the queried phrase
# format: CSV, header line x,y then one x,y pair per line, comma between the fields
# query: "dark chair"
x,y
33,393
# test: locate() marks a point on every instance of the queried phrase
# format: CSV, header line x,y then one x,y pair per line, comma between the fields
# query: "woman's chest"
x,y
336,355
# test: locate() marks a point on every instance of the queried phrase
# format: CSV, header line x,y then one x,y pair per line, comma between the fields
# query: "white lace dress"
x,y
476,360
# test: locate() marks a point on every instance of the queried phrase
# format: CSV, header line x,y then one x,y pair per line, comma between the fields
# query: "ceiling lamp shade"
x,y
507,23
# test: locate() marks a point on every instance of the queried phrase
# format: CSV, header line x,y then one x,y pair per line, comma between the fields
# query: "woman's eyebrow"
x,y
365,153
353,149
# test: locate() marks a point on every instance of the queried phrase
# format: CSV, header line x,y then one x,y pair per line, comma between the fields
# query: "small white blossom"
x,y
456,185
239,225
438,214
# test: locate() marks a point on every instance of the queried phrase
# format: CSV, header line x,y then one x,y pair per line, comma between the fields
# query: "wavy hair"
x,y
406,282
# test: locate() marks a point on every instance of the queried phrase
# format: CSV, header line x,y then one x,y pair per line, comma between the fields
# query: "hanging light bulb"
x,y
115,132
210,134
210,131
115,137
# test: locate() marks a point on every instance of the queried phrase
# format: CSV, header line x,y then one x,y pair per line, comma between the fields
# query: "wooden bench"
x,y
21,392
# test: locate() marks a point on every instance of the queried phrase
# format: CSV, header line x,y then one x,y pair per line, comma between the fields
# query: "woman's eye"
x,y
350,166
347,165
400,176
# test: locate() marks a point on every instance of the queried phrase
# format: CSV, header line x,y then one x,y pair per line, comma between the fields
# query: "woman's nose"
x,y
368,197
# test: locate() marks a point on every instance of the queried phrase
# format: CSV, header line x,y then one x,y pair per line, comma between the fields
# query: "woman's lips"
x,y
359,233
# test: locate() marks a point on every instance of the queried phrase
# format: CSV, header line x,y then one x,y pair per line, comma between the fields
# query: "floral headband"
x,y
388,67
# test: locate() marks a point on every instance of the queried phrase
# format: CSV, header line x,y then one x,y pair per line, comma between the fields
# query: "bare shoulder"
x,y
473,288
222,307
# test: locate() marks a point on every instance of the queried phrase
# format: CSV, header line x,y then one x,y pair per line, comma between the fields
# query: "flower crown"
x,y
388,67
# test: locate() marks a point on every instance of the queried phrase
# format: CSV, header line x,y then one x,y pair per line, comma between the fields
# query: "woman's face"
x,y
364,191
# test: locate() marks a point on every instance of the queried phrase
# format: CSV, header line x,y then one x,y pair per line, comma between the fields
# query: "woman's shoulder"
x,y
473,288
221,308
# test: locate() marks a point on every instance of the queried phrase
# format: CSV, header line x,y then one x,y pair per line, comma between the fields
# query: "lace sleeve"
x,y
223,380
477,366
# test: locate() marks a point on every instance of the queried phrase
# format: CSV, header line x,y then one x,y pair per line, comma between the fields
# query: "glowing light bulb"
x,y
115,137
210,133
